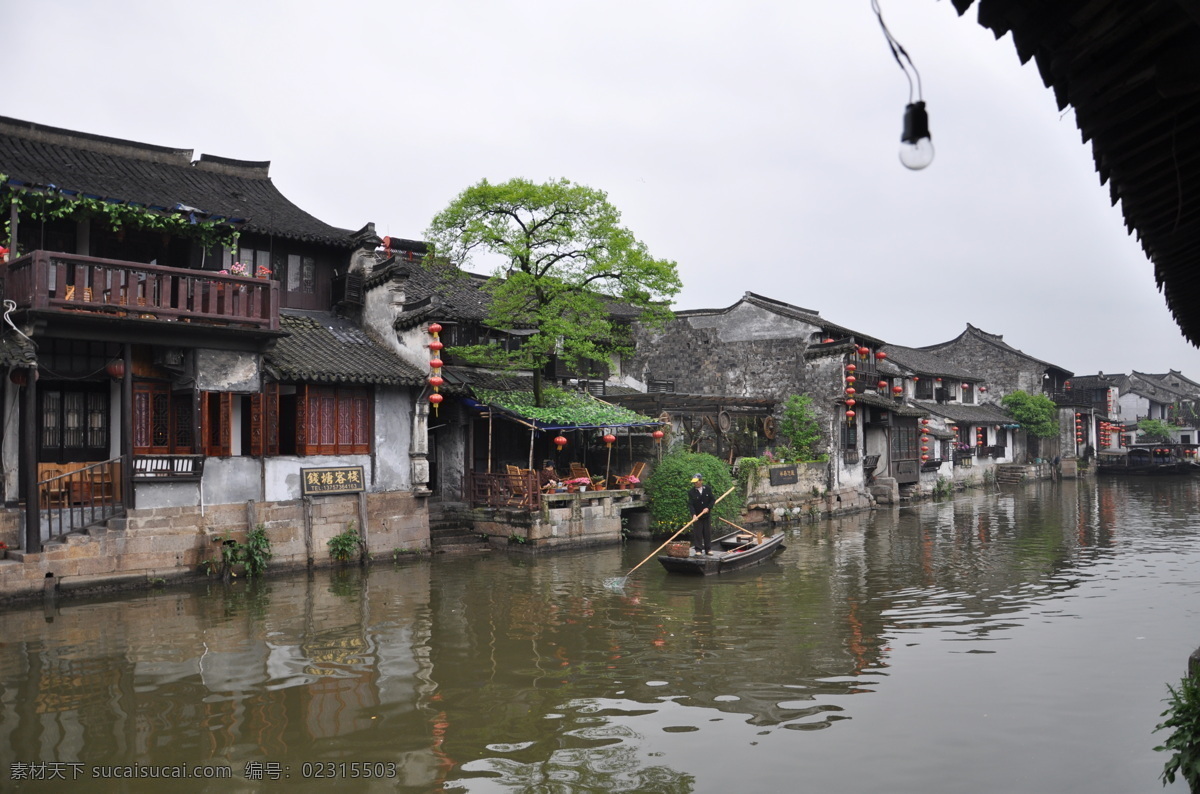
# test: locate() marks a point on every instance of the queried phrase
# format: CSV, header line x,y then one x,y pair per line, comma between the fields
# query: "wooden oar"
x,y
758,536
618,582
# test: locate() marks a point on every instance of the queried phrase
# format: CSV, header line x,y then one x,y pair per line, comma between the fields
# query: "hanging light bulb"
x,y
916,149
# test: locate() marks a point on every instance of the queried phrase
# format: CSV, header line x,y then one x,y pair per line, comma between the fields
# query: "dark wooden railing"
x,y
522,491
45,280
81,498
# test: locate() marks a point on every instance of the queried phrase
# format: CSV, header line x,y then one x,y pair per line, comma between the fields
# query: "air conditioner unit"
x,y
170,358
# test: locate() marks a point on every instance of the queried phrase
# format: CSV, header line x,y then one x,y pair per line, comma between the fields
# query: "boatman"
x,y
700,502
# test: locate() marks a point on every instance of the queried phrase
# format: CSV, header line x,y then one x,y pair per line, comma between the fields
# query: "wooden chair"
x,y
633,477
518,488
54,491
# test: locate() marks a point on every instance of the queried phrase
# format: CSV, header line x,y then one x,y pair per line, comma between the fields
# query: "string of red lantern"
x,y
435,366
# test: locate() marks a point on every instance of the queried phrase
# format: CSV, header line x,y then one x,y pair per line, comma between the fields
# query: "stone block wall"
x,y
808,498
172,542
564,521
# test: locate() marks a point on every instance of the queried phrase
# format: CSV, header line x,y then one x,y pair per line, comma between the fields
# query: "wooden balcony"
x,y
52,281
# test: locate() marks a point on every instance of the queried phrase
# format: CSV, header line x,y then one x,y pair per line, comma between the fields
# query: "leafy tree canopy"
x,y
565,262
800,427
1154,430
1036,413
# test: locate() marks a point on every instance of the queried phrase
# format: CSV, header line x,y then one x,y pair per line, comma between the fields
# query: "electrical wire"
x,y
898,51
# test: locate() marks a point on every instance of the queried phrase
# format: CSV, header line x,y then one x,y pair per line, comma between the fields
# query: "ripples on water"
x,y
870,643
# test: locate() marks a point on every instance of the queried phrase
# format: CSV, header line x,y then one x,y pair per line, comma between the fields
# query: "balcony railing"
x,y
45,280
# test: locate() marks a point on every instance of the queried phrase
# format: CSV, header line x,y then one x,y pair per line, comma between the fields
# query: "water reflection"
x,y
514,673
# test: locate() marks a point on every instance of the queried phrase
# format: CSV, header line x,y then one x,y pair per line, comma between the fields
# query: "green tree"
x,y
1154,430
1036,413
800,427
668,486
565,264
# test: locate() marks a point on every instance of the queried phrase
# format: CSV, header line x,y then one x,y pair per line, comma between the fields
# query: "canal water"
x,y
1000,642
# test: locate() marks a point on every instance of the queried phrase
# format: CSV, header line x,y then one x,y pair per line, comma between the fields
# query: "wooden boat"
x,y
1161,459
735,554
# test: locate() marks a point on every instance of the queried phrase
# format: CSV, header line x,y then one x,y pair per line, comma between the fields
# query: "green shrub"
x,y
667,489
253,554
1184,741
256,551
345,545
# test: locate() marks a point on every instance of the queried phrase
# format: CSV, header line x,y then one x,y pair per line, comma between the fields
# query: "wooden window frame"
x,y
333,420
155,404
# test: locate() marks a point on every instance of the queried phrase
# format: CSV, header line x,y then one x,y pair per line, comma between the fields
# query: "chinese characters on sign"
x,y
782,475
333,479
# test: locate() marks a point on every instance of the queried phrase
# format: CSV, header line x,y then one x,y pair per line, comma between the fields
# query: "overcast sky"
x,y
754,143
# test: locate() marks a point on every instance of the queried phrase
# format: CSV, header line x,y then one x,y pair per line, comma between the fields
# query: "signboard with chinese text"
x,y
782,475
332,480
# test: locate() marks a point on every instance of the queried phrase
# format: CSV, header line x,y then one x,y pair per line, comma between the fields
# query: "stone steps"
x,y
451,530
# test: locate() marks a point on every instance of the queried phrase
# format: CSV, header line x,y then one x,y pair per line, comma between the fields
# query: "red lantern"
x,y
19,376
435,329
609,439
924,457
826,341
436,381
435,345
880,356
883,384
983,388
924,449
435,363
851,401
850,379
864,351
116,369
924,421
850,390
657,435
436,400
561,441
897,390
849,416
851,367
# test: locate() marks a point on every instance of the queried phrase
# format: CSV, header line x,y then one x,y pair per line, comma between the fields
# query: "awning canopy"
x,y
561,410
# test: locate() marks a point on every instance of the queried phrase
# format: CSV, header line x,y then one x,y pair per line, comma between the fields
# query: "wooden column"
x,y
28,461
127,430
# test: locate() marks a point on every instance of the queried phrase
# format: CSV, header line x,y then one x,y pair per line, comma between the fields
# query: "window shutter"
x,y
216,410
151,419
302,420
264,421
361,413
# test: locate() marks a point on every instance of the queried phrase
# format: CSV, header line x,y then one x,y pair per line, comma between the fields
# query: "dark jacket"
x,y
699,498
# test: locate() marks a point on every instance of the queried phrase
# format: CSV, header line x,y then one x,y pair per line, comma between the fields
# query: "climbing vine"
x,y
43,206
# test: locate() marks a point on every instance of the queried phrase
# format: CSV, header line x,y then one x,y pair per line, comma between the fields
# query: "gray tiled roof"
x,y
924,362
968,414
997,341
161,177
16,351
321,348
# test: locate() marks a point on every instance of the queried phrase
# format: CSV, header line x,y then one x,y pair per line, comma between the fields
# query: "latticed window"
x,y
332,421
905,444
163,422
74,422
